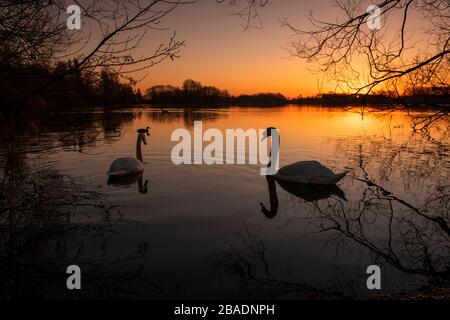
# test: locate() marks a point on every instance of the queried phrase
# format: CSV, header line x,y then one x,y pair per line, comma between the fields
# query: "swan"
x,y
304,171
126,166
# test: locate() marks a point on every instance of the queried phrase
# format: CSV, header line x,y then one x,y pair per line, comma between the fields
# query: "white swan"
x,y
128,165
305,171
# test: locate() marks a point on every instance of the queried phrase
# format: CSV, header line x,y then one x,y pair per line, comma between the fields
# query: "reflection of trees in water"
x,y
408,238
188,116
247,263
420,162
58,223
409,229
89,129
400,207
398,213
48,222
412,240
70,130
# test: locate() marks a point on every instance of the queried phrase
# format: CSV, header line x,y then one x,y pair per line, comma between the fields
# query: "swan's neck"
x,y
138,149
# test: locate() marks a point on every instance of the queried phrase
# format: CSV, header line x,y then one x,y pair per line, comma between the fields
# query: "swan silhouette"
x,y
304,171
146,131
129,166
308,192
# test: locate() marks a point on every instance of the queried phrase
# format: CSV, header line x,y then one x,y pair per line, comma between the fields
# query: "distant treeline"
x,y
429,96
194,93
62,85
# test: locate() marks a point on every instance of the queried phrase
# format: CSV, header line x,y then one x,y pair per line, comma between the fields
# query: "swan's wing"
x,y
306,172
123,180
125,165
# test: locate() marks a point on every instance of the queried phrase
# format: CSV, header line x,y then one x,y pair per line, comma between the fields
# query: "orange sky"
x,y
219,52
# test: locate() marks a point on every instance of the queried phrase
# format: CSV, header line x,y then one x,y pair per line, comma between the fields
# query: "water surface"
x,y
198,231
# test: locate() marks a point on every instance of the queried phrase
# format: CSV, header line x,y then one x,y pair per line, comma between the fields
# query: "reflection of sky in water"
x,y
192,212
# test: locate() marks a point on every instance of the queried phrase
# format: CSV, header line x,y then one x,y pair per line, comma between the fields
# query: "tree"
x,y
248,11
392,58
34,38
193,86
401,56
34,35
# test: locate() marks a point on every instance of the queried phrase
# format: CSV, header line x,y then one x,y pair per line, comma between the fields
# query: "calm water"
x,y
198,231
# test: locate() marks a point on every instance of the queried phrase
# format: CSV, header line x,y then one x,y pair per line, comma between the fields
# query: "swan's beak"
x,y
268,133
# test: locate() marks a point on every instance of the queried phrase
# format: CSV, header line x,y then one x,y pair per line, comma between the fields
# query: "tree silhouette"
x,y
394,60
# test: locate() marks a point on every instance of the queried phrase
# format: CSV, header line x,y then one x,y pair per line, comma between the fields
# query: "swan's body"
x,y
305,171
308,172
127,166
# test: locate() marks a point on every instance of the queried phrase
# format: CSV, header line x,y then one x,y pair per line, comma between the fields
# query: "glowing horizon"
x,y
219,52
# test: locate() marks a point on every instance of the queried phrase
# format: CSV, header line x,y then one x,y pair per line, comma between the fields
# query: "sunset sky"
x,y
220,52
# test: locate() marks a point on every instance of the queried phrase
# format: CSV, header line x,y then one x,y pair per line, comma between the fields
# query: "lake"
x,y
225,231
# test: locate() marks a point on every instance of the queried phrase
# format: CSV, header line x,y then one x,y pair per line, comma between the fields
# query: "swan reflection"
x,y
306,191
128,180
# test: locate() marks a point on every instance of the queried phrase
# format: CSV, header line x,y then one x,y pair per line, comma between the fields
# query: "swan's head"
x,y
142,138
146,131
268,133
